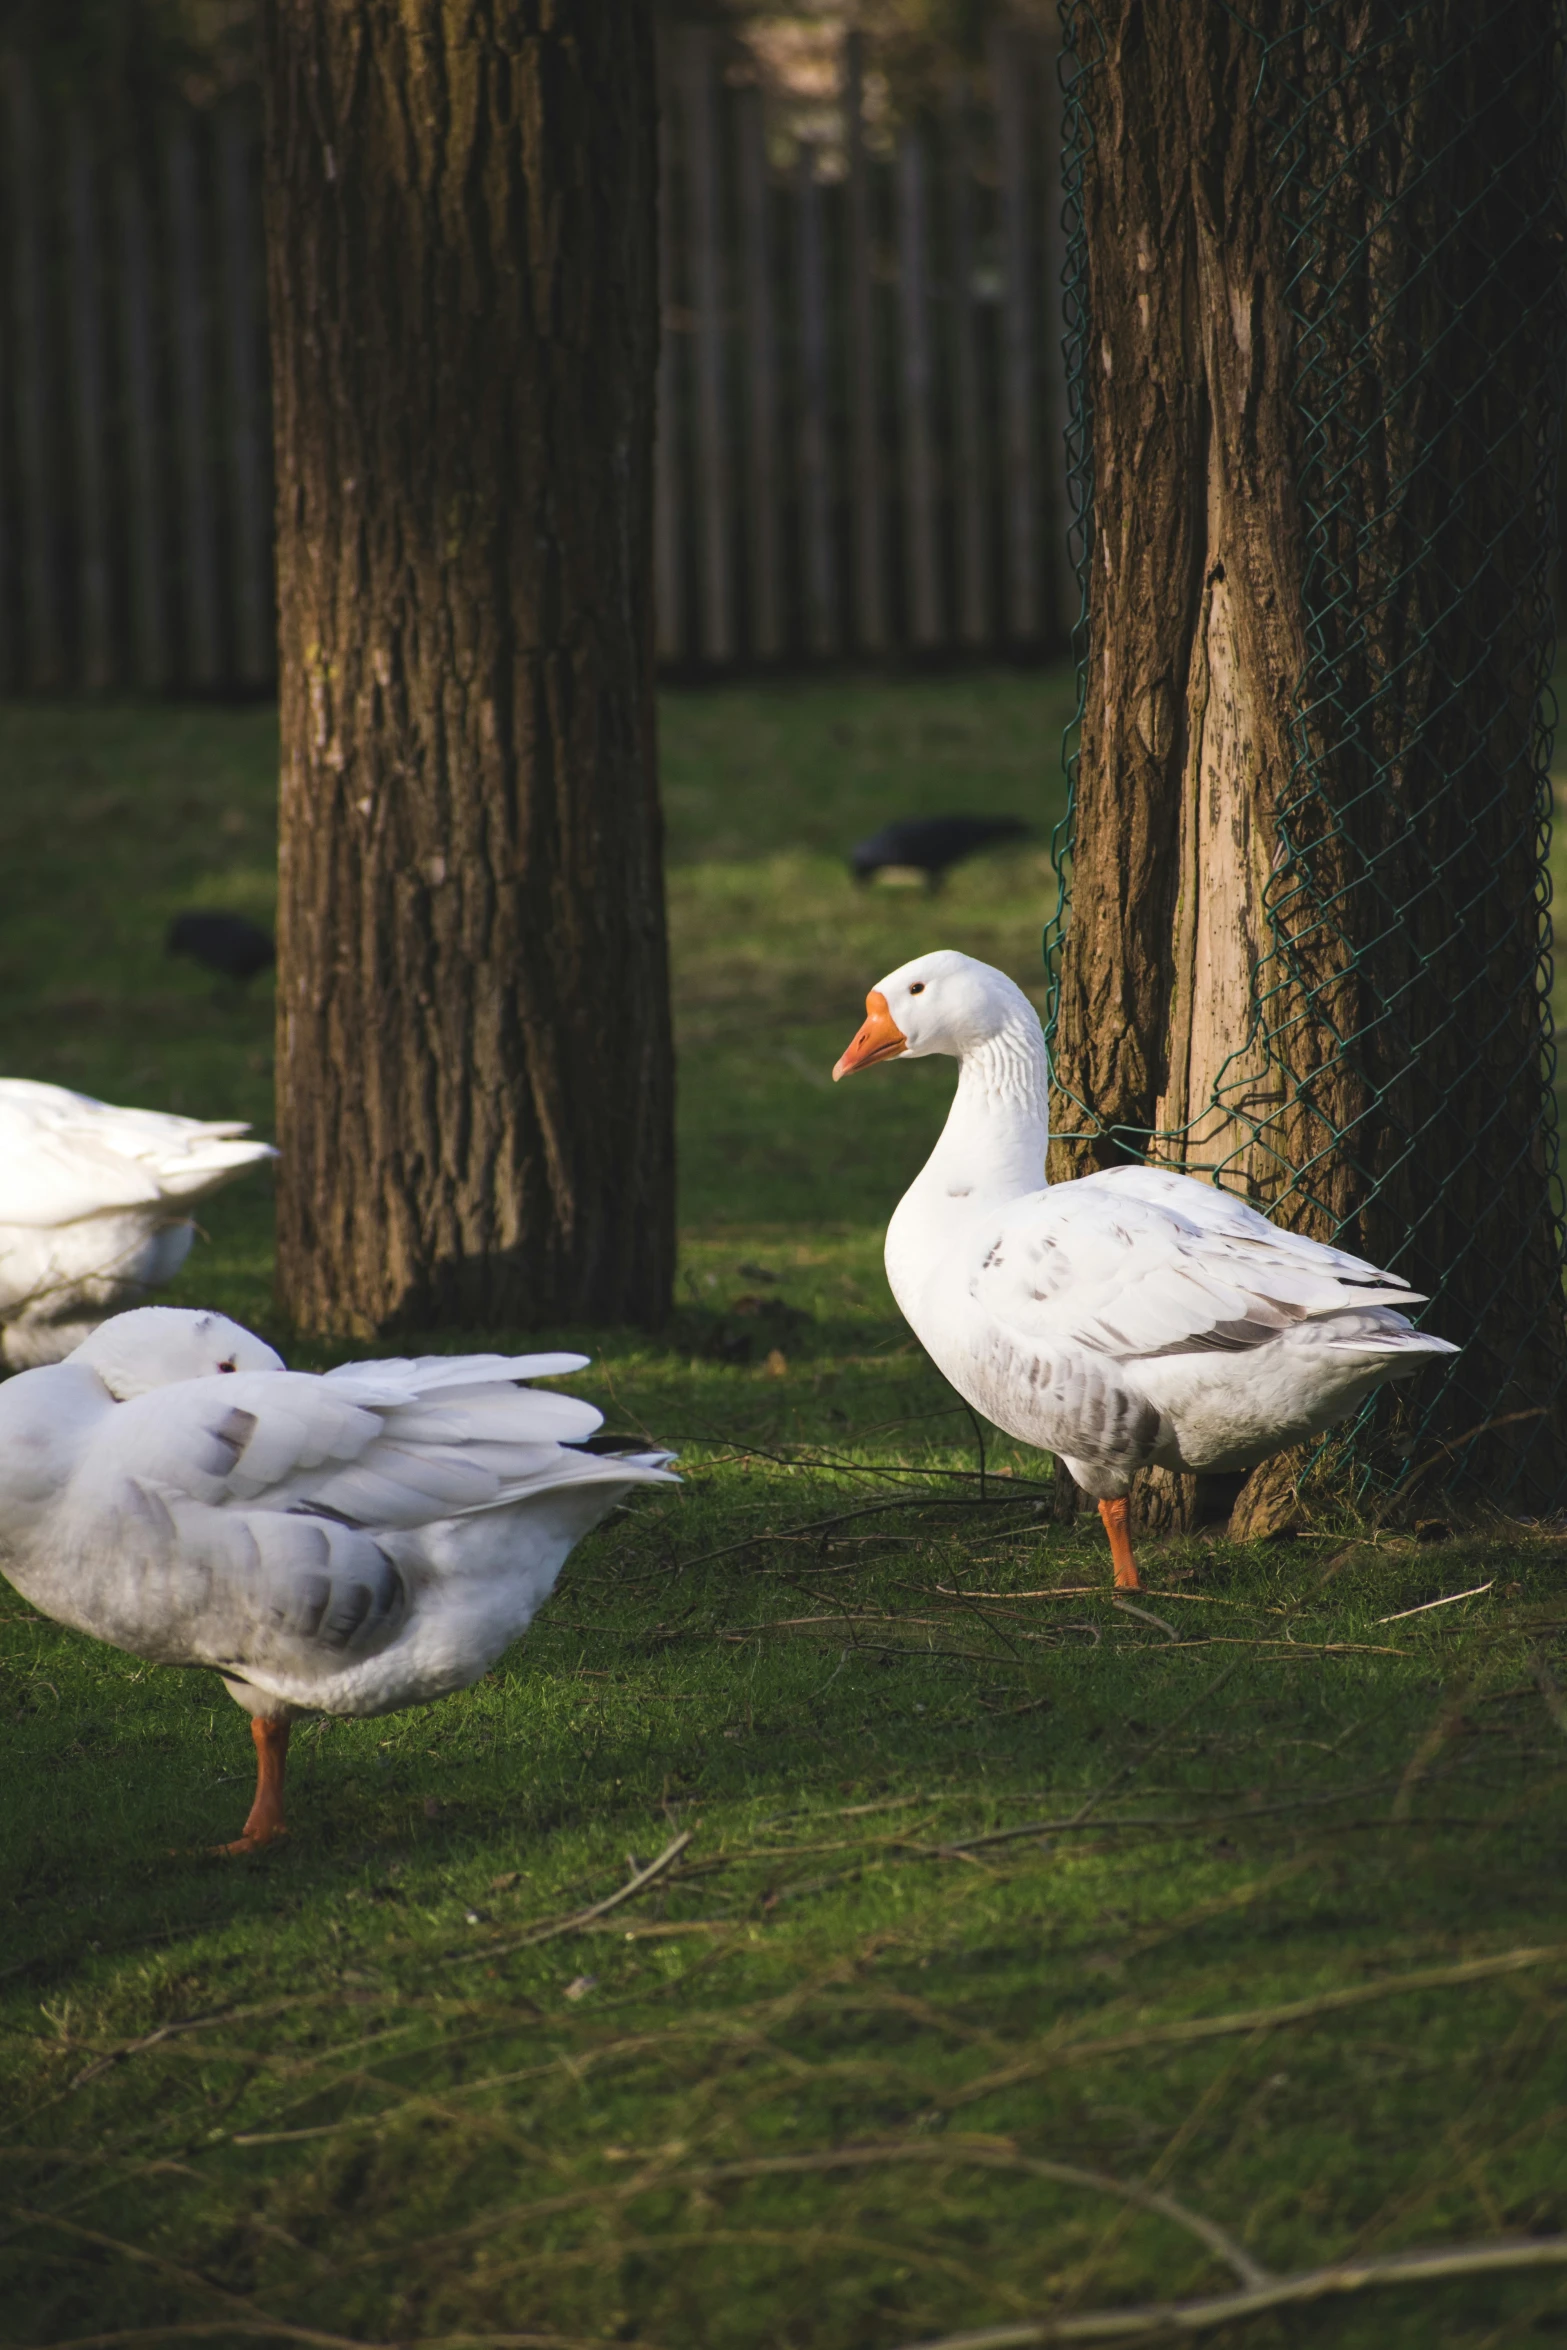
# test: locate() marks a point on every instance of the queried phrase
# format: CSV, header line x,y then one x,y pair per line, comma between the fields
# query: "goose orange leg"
x,y
265,1824
1117,1523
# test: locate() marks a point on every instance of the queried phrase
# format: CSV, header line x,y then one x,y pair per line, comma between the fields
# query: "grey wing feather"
x,y
288,1441
189,1584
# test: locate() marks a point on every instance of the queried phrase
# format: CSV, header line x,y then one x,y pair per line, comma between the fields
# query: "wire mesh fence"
x,y
1389,1083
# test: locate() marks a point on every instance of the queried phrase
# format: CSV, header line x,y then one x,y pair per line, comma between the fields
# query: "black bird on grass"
x,y
226,943
931,844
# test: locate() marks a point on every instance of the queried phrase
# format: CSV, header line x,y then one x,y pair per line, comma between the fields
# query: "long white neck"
x,y
991,1151
993,1144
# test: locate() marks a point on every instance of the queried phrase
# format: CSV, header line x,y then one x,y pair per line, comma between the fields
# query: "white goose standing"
x,y
348,1544
1129,1318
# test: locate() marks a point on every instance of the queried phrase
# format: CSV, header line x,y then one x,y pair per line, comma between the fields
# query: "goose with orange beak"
x,y
1129,1319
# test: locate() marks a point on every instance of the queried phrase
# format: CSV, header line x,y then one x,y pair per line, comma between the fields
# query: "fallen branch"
x,y
1426,1606
238,2305
1075,1591
809,1628
1171,1824
1312,2284
636,1883
1445,1451
1128,1609
664,1929
1256,2019
1304,1649
651,2177
870,1509
953,2152
117,2055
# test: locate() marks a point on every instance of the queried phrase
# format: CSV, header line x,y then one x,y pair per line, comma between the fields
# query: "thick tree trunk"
x,y
1324,286
474,1068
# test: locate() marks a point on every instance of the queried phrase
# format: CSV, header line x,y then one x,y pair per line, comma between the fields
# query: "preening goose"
x,y
348,1544
95,1208
1131,1317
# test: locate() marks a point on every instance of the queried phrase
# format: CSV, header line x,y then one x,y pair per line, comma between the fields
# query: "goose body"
x,y
95,1208
352,1543
1131,1318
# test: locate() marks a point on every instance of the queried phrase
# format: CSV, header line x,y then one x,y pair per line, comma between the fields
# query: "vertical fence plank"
x,y
8,660
870,557
761,350
970,490
1008,56
1061,566
95,620
704,235
818,568
199,549
254,634
43,662
920,521
668,502
144,504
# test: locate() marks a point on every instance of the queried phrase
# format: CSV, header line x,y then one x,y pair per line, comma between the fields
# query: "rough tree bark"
x,y
1325,299
474,1064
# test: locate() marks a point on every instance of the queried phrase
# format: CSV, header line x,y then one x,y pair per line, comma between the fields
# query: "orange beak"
x,y
881,1039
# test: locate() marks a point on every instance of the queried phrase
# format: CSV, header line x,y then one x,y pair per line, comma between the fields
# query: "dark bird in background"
x,y
931,844
226,943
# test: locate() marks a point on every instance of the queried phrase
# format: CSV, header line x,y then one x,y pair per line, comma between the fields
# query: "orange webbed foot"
x,y
248,1843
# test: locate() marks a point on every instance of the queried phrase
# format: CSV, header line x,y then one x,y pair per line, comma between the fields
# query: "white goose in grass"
x,y
348,1544
1132,1317
95,1206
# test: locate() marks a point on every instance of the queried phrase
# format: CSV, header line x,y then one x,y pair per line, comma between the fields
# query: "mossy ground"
x,y
791,2094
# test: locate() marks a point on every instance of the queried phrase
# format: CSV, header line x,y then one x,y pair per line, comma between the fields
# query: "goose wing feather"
x,y
1142,1262
64,1156
252,1592
373,1453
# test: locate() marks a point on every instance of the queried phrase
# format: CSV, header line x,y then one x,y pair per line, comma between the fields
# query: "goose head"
x,y
158,1346
940,1003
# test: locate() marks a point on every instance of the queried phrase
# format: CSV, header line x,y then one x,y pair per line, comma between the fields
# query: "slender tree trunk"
x,y
474,1067
1324,284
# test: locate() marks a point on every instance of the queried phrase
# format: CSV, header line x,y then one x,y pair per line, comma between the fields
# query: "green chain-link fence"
x,y
1402,1005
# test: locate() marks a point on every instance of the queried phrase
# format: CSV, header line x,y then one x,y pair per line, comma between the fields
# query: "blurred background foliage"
x,y
141,50
202,50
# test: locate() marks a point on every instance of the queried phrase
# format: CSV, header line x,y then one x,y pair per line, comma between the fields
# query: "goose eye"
x,y
230,1366
918,987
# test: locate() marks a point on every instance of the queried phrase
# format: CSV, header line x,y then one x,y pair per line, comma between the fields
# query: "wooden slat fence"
x,y
862,392
135,479
859,388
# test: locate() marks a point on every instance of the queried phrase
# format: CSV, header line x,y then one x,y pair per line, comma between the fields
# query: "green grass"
x,y
792,2093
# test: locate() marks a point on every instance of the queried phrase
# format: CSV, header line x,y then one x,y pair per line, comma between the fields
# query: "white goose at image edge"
x,y
348,1543
1130,1318
95,1208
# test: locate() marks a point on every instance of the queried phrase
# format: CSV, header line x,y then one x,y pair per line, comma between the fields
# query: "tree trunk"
x,y
1325,327
474,1064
